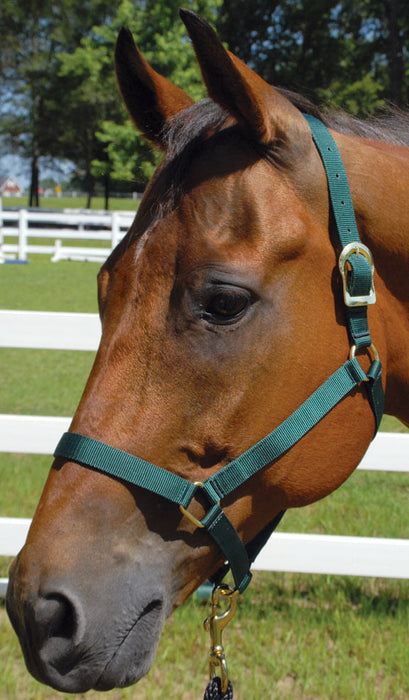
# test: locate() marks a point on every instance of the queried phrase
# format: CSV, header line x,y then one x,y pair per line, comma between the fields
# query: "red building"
x,y
9,187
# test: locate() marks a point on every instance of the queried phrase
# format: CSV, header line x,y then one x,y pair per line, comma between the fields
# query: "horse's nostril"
x,y
154,606
56,616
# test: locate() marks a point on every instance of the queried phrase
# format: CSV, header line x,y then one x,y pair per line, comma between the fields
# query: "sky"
x,y
19,168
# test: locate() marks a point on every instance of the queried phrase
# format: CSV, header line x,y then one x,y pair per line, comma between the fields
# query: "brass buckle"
x,y
191,517
357,249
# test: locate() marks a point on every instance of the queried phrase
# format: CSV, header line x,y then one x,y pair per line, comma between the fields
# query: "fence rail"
x,y
49,330
23,228
329,554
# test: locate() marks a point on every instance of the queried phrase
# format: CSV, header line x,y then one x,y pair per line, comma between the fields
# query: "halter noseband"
x,y
357,270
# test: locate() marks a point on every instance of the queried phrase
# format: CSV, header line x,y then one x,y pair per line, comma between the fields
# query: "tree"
x,y
348,52
383,27
33,32
285,42
112,148
57,83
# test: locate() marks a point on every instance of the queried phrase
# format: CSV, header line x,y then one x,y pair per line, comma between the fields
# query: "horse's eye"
x,y
226,306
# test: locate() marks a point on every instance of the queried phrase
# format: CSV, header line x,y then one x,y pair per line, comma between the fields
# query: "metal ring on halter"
x,y
371,350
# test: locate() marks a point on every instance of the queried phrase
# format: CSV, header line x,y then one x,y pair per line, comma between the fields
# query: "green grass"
x,y
45,286
307,637
295,636
115,203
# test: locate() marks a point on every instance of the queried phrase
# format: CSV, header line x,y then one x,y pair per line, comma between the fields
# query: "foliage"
x,y
60,98
347,52
128,156
118,151
33,33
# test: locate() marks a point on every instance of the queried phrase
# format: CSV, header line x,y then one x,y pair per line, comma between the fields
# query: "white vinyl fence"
x,y
326,554
21,230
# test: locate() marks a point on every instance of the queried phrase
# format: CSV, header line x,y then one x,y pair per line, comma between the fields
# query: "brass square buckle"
x,y
356,248
191,517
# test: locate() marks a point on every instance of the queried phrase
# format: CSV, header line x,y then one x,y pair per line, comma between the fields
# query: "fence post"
x,y
57,248
22,234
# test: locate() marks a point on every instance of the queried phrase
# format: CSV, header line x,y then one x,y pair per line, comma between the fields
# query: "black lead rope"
x,y
214,691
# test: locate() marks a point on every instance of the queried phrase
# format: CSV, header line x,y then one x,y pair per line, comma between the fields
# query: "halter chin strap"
x,y
357,271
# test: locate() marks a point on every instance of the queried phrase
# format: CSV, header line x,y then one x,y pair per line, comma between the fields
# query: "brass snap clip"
x,y
215,624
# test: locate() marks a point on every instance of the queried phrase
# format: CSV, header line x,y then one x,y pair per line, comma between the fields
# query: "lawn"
x,y
115,203
295,636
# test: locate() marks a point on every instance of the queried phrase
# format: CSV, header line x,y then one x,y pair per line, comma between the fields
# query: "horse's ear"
x,y
150,98
253,102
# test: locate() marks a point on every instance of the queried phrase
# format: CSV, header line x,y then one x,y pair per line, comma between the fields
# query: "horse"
x,y
222,311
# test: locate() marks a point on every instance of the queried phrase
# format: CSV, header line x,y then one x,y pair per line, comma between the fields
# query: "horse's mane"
x,y
391,125
188,132
192,127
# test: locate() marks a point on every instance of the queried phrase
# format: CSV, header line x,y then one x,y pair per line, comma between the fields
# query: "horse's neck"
x,y
379,179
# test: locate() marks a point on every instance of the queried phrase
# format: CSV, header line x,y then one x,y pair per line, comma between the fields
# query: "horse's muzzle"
x,y
96,634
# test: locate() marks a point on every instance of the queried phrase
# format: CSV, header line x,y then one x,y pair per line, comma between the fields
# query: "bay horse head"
x,y
221,312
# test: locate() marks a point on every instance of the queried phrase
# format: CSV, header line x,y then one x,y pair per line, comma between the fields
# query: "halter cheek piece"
x,y
357,270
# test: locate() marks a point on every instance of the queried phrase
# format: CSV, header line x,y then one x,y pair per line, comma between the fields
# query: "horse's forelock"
x,y
184,135
190,128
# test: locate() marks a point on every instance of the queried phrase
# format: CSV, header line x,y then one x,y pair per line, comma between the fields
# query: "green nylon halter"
x,y
357,271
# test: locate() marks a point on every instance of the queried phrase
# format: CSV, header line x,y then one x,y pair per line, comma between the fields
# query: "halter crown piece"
x,y
356,267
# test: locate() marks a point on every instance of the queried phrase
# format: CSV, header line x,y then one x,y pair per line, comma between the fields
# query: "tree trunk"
x,y
89,184
396,68
107,189
34,200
